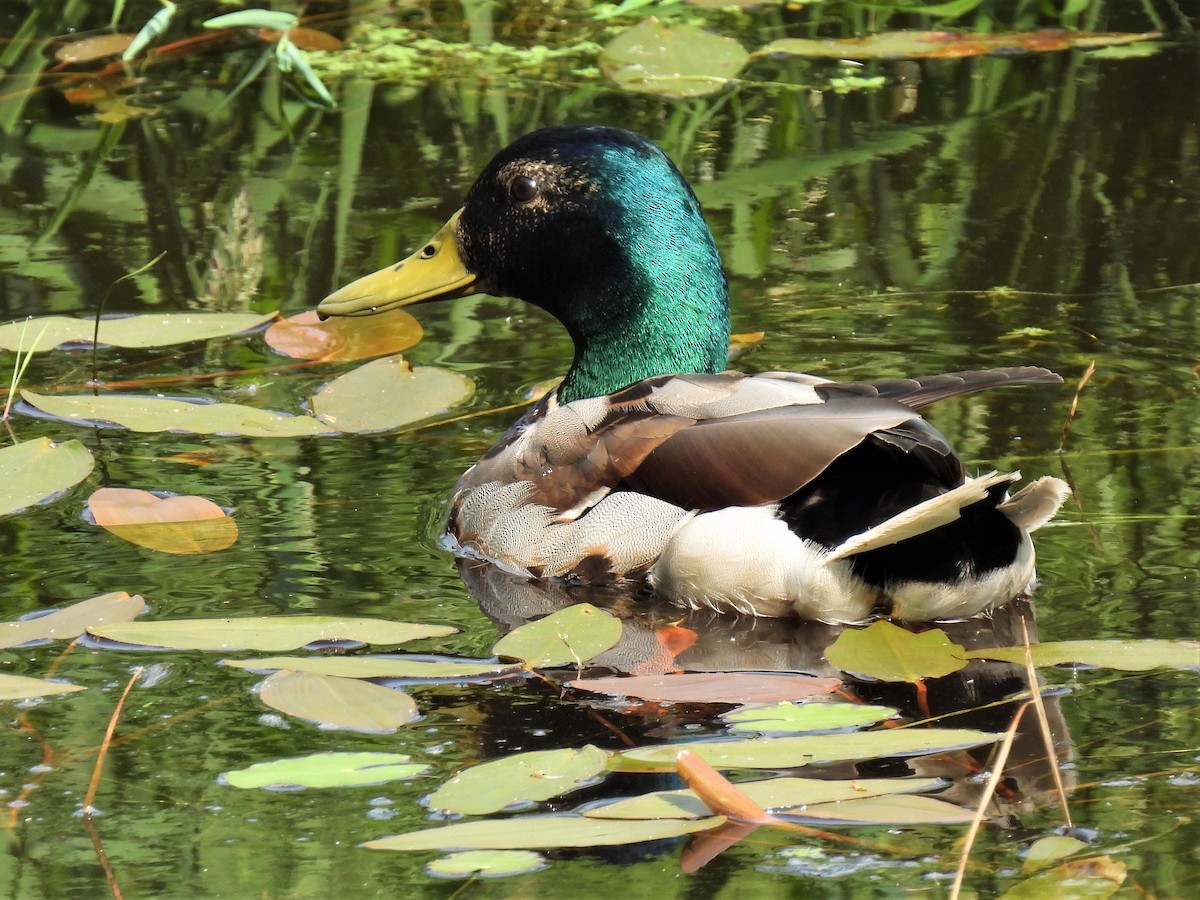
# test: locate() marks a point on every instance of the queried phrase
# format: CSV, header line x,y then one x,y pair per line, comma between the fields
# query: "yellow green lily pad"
x,y
38,470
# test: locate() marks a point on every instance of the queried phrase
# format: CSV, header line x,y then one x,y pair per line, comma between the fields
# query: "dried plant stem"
x,y
1087,376
1044,724
97,844
94,784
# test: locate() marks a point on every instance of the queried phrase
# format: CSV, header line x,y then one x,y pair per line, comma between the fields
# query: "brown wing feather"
x,y
917,393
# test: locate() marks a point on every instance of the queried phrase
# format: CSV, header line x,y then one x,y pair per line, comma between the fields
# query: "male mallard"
x,y
766,494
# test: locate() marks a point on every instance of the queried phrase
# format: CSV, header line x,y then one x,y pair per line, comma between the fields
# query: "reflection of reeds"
x,y
236,265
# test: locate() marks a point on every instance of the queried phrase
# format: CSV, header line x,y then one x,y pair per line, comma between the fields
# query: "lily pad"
x,y
890,653
338,702
153,414
18,687
889,810
1050,849
570,636
387,393
789,752
39,470
487,864
166,523
806,717
522,778
344,338
151,330
378,666
1085,879
710,687
325,770
672,60
270,633
1128,656
541,832
70,622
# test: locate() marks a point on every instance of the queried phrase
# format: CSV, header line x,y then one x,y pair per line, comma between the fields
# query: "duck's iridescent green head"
x,y
597,227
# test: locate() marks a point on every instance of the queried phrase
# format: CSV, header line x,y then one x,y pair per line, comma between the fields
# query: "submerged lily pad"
x,y
153,414
325,770
168,524
338,702
806,716
570,636
343,338
39,470
70,622
18,687
888,810
672,60
487,864
379,666
270,633
524,777
387,393
710,687
541,832
1128,656
888,652
149,330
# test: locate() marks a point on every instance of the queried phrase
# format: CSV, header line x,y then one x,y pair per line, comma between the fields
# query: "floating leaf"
x,y
1050,849
39,470
18,687
487,864
770,793
806,717
379,666
1087,879
945,44
672,60
570,636
338,702
152,414
314,39
168,524
531,832
387,393
150,330
521,778
891,653
70,622
92,48
1128,656
253,18
788,752
889,810
325,770
710,687
270,633
343,338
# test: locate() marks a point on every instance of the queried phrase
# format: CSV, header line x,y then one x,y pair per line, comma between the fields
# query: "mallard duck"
x,y
772,494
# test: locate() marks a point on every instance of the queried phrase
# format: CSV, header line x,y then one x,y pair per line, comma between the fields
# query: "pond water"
x,y
995,210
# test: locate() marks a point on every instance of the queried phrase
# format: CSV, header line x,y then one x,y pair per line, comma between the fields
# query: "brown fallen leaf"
x,y
173,524
710,687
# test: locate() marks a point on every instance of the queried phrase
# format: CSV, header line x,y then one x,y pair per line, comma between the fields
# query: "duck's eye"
x,y
429,251
523,189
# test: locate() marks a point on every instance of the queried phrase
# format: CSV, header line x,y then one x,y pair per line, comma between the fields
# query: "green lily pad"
x,y
270,633
38,470
1050,849
771,793
1128,656
148,330
541,832
487,864
789,752
18,687
388,393
891,653
672,60
154,414
806,716
377,666
1087,879
570,636
889,810
710,687
338,702
70,622
325,770
524,777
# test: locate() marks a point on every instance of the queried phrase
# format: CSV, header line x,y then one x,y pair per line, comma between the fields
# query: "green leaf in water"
x,y
1088,879
487,864
1050,849
34,471
387,393
270,633
254,18
889,810
153,414
70,622
806,716
338,702
891,653
570,636
18,687
325,770
1128,656
672,60
545,832
522,778
379,666
140,331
